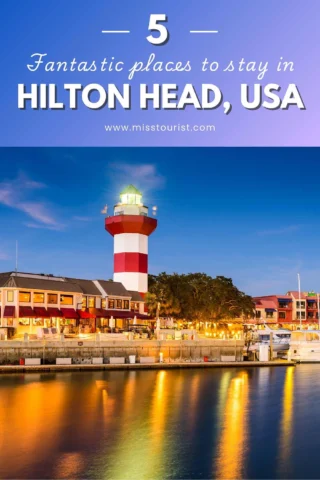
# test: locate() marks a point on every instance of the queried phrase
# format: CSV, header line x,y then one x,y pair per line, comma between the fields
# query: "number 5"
x,y
154,26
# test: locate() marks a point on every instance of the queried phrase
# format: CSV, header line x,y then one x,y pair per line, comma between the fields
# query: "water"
x,y
217,423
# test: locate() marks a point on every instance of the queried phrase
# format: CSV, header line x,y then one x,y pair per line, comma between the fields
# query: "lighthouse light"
x,y
131,196
130,199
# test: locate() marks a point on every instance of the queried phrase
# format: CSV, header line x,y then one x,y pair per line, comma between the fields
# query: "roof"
x,y
114,288
272,297
4,277
262,303
43,284
130,189
35,281
295,294
135,296
86,286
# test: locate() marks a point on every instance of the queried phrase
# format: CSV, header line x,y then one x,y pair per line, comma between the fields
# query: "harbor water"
x,y
215,423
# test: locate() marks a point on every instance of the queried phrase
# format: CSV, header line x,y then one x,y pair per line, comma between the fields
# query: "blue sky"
x,y
246,213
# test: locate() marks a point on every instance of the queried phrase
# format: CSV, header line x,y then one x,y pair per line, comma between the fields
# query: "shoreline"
x,y
138,366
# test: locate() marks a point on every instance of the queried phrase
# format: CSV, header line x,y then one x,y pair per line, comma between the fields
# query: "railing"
x,y
117,214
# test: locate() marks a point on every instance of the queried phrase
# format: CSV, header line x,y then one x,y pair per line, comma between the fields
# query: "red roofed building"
x,y
285,310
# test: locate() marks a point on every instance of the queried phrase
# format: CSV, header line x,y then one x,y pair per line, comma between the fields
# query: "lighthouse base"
x,y
138,282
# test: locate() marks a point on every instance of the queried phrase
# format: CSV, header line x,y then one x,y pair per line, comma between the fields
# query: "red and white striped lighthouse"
x,y
131,226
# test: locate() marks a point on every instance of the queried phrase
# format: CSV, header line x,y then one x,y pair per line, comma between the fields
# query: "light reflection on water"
x,y
234,434
286,421
217,423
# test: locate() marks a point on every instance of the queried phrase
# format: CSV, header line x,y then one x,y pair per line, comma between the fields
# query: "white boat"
x,y
305,346
281,339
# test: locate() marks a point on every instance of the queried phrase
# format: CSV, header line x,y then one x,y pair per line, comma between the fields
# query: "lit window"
x,y
283,304
301,304
103,303
52,298
24,321
38,297
126,304
84,303
25,297
38,322
118,303
10,296
66,299
111,303
309,337
91,302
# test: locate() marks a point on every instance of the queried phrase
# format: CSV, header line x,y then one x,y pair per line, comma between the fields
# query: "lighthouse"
x,y
130,227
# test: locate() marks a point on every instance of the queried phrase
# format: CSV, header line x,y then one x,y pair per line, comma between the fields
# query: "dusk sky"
x,y
250,214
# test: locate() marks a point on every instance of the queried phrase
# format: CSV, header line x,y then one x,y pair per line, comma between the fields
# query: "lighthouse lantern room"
x,y
130,227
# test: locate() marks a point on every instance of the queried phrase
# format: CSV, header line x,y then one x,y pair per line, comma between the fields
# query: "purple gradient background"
x,y
255,30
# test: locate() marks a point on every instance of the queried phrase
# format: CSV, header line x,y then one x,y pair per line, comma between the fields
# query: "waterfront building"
x,y
286,310
31,301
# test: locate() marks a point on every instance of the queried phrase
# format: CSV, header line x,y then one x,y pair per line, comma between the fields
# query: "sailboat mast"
x,y
299,288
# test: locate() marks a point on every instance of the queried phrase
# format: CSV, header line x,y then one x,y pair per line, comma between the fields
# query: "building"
x,y
72,305
286,310
31,301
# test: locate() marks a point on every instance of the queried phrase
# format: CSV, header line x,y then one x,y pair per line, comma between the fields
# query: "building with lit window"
x,y
286,310
72,305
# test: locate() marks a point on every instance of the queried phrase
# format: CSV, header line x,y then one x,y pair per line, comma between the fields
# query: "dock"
x,y
139,366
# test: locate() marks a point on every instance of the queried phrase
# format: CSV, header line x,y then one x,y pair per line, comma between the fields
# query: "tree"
x,y
229,302
197,296
160,299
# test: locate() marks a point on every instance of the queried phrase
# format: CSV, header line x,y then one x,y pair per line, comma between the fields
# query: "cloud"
x,y
15,194
145,175
32,184
280,231
82,219
57,227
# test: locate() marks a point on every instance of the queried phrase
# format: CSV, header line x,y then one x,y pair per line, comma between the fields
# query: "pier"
x,y
138,366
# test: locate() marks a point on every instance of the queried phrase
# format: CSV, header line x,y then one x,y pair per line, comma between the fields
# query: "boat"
x,y
305,346
281,339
